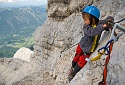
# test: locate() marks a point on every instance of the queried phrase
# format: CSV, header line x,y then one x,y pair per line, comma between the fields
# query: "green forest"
x,y
17,26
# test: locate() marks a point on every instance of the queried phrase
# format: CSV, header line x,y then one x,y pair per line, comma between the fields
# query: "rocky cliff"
x,y
50,63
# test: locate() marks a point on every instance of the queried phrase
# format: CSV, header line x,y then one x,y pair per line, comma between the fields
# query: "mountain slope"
x,y
17,25
15,19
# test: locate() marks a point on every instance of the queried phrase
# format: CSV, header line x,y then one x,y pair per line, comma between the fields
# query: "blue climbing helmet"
x,y
92,10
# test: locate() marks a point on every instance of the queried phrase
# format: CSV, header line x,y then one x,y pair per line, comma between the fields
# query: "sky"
x,y
12,3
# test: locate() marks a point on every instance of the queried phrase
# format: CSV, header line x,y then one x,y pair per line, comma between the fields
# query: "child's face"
x,y
86,21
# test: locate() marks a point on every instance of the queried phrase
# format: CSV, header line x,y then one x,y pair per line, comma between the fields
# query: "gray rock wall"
x,y
63,29
61,9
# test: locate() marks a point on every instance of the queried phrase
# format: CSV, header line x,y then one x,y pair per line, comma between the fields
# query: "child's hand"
x,y
108,20
104,25
108,24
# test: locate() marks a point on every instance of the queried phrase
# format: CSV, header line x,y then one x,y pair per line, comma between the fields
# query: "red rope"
x,y
103,82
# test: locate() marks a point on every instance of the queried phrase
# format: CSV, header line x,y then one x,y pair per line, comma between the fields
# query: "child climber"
x,y
92,31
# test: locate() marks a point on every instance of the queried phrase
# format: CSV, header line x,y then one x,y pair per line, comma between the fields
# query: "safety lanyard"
x,y
103,82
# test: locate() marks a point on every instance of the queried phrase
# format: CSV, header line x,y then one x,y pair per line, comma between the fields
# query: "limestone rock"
x,y
61,9
2,82
24,54
12,70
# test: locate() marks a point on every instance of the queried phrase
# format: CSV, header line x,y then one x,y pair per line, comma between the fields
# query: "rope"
x,y
67,48
103,82
120,20
103,50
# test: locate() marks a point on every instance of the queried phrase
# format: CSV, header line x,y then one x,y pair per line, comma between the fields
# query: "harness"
x,y
94,41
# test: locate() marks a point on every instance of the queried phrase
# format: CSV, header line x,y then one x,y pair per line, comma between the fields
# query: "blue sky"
x,y
11,3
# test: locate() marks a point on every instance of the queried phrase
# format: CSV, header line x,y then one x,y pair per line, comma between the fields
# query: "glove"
x,y
87,59
108,22
109,19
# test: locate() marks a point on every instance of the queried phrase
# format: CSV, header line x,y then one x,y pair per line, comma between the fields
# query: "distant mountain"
x,y
21,3
18,24
12,19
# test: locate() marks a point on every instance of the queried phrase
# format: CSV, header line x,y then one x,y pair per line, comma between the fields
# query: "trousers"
x,y
80,57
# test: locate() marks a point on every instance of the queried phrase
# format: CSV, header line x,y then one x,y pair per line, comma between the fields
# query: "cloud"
x,y
8,1
32,2
19,0
1,0
22,0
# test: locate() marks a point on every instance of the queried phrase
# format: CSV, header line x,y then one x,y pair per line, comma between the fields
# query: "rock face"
x,y
61,9
12,70
50,62
23,54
